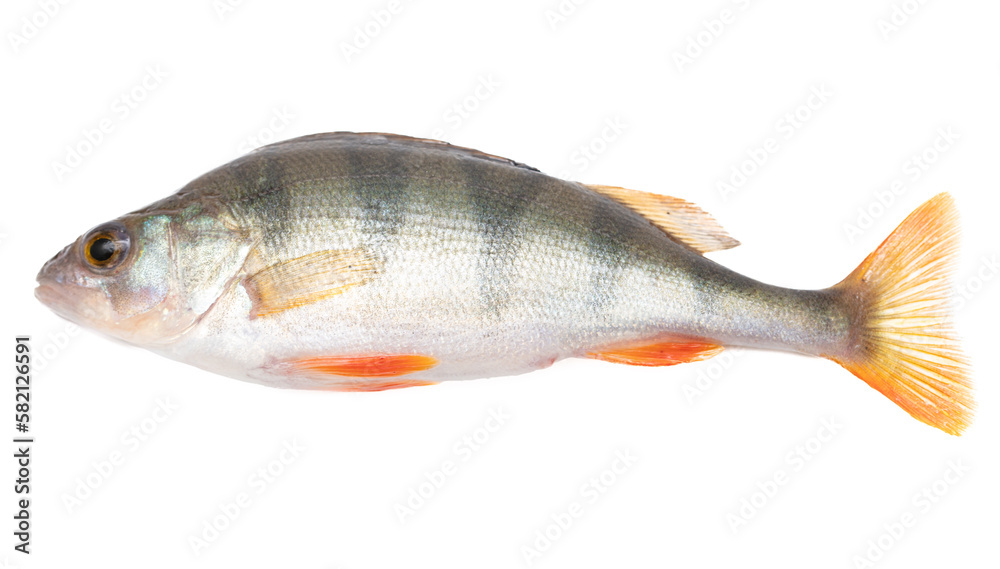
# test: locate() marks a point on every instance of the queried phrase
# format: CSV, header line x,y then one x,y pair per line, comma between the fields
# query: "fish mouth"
x,y
58,302
48,295
59,289
77,306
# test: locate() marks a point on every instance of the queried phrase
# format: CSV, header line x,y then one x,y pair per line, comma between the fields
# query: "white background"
x,y
232,80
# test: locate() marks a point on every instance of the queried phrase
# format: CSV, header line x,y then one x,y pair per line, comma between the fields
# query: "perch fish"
x,y
365,261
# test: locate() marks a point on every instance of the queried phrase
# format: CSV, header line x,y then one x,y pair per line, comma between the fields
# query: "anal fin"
x,y
662,353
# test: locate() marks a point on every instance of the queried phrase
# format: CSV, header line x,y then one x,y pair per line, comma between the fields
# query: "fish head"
x,y
145,279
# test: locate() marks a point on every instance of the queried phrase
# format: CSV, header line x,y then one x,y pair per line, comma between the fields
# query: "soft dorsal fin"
x,y
680,219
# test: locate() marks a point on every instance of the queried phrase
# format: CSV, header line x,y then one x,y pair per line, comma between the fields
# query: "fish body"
x,y
369,261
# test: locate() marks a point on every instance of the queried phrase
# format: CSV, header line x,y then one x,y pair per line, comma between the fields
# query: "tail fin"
x,y
902,343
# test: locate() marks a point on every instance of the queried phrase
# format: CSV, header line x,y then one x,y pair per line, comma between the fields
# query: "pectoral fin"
x,y
683,221
310,278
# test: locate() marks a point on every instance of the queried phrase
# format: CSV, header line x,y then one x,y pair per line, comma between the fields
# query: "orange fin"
x,y
376,385
659,354
306,279
382,365
900,296
683,221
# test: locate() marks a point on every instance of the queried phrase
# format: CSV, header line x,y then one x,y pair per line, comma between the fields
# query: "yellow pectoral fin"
x,y
310,278
683,221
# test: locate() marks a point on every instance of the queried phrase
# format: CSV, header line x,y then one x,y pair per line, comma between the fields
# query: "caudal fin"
x,y
902,343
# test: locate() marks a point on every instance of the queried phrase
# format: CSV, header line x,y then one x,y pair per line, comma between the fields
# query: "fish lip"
x,y
53,297
58,289
46,294
71,304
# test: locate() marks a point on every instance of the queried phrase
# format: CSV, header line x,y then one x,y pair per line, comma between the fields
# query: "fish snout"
x,y
59,288
53,271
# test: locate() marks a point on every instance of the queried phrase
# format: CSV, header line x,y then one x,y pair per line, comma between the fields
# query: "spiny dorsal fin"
x,y
682,220
384,138
303,280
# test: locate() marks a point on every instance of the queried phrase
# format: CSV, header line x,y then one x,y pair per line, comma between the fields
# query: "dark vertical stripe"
x,y
380,181
610,247
264,196
501,198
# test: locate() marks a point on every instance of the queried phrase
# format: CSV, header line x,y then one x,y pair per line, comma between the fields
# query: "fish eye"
x,y
102,249
105,247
